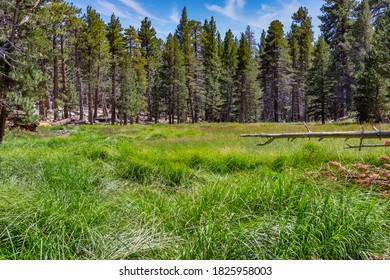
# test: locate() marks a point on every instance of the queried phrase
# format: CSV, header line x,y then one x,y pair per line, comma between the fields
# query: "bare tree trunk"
x,y
63,73
276,101
113,93
80,91
3,115
96,99
121,112
55,78
90,116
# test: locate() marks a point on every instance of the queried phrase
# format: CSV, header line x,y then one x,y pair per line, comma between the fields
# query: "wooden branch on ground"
x,y
62,122
377,134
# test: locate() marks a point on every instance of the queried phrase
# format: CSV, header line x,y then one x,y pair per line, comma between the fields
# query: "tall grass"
x,y
184,192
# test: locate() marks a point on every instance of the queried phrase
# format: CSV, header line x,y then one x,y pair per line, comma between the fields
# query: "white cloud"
x,y
175,16
142,12
230,8
107,9
281,12
264,7
137,7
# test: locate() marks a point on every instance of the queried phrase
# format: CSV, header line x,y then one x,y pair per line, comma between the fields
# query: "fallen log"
x,y
62,122
377,134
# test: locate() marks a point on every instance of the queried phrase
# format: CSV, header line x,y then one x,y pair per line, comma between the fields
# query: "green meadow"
x,y
191,192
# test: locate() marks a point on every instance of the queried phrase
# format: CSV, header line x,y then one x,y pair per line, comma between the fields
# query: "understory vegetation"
x,y
188,192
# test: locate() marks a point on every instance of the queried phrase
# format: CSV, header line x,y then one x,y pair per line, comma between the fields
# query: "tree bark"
x,y
55,78
7,69
113,92
90,114
63,74
96,99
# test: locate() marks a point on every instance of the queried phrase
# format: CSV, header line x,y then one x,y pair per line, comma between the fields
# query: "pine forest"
x,y
58,62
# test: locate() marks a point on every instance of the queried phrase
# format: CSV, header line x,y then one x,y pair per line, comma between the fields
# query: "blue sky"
x,y
229,14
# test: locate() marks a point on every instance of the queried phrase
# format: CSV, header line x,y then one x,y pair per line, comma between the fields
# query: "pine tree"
x,y
300,39
173,84
362,32
94,51
116,42
320,83
243,79
373,99
276,69
137,75
126,86
198,87
362,36
76,54
212,66
229,69
183,33
262,67
14,17
337,27
247,101
150,51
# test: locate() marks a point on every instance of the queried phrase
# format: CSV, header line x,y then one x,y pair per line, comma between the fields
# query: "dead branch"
x,y
377,134
62,122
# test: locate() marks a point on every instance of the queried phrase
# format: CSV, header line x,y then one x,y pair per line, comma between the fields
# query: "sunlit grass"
x,y
186,192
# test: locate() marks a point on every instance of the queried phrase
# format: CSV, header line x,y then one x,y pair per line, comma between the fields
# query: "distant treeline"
x,y
66,61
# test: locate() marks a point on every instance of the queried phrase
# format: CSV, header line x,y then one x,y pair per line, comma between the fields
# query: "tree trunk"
x,y
7,68
77,77
113,93
96,99
90,116
55,78
80,92
276,100
122,111
63,73
3,115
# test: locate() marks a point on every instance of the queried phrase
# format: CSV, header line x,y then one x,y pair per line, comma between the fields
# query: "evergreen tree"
x,y
76,54
229,69
173,84
137,75
373,98
15,18
247,88
212,67
198,70
262,67
362,36
94,51
276,69
183,33
337,27
116,41
320,83
300,39
60,18
363,30
150,51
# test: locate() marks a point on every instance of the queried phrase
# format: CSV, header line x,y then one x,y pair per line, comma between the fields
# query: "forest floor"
x,y
191,192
